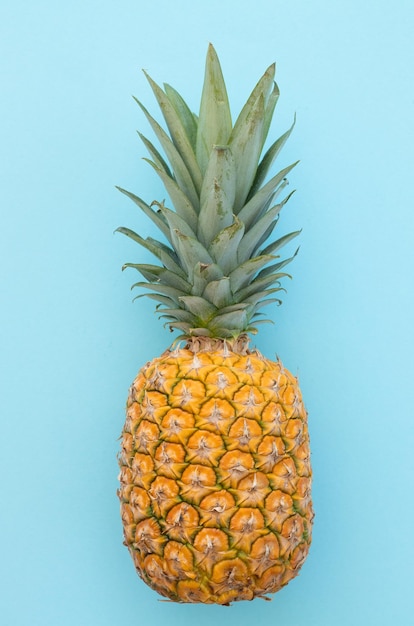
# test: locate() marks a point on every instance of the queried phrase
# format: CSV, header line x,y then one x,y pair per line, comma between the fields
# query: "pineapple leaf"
x,y
160,275
262,303
262,88
224,246
163,300
246,145
177,131
149,272
175,222
235,320
157,157
279,243
218,292
214,122
269,230
179,166
199,307
153,215
269,159
253,208
180,315
217,195
253,330
259,284
210,271
252,238
259,296
203,274
270,108
199,332
225,333
239,306
186,116
184,326
191,252
277,266
241,276
167,256
164,290
181,203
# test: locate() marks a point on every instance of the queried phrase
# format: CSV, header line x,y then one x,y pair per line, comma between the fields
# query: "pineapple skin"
x,y
215,474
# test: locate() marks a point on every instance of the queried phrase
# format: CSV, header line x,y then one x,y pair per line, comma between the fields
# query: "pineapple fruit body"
x,y
215,474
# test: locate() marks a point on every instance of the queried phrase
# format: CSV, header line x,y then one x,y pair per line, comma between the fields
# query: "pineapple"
x,y
215,473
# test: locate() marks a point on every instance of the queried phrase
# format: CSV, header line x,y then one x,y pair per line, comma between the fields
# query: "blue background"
x,y
71,340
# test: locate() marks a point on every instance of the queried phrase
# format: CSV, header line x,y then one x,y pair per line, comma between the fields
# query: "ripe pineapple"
x,y
215,464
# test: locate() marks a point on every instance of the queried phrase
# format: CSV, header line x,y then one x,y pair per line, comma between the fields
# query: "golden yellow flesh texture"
x,y
216,476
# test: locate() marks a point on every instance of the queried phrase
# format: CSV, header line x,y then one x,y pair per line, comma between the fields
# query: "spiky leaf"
x,y
217,195
177,131
214,121
246,145
187,118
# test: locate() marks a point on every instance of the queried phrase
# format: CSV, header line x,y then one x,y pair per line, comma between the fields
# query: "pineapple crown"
x,y
216,270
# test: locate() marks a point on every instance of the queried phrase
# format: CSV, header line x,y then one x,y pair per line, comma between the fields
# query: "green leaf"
x,y
214,122
178,132
256,310
265,236
163,300
269,110
259,284
178,314
236,321
268,160
145,269
186,116
210,271
277,266
218,292
181,203
167,256
184,326
238,306
217,195
224,246
191,252
225,333
249,212
157,157
153,215
252,238
253,330
246,143
279,243
202,331
175,222
164,290
266,321
160,275
202,309
174,157
242,275
259,296
262,87
203,274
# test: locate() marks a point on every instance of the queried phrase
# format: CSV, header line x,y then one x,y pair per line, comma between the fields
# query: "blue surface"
x,y
72,341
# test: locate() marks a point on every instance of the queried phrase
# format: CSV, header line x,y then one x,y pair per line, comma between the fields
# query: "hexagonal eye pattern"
x,y
215,476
